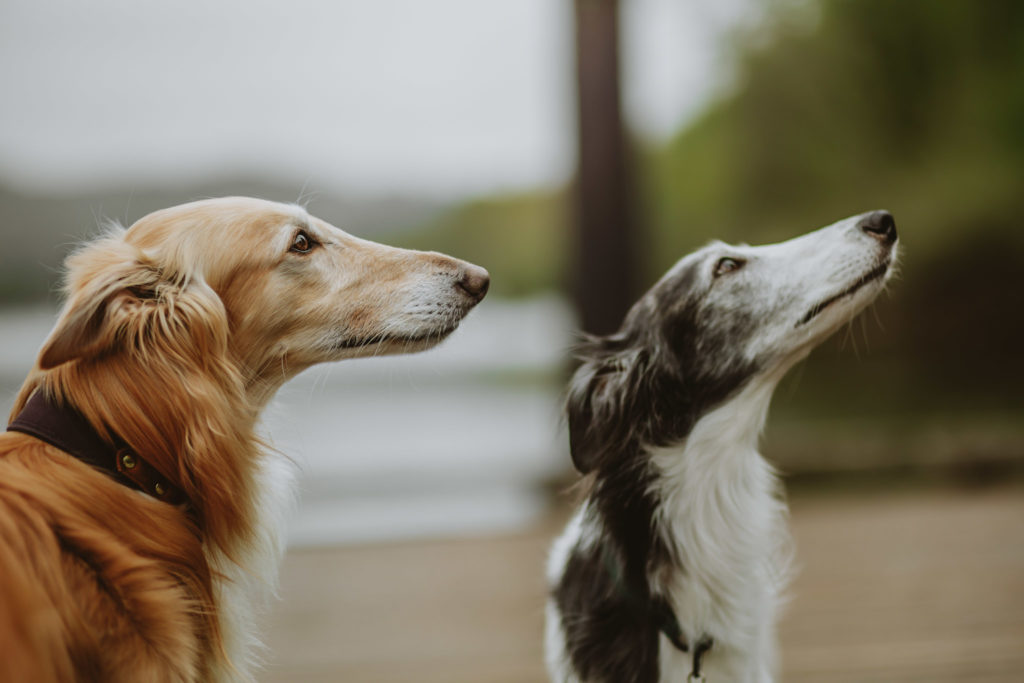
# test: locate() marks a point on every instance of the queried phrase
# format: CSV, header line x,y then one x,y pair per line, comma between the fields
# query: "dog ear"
x,y
596,409
106,281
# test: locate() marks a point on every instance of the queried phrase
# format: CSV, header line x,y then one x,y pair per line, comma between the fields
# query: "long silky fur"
x,y
172,390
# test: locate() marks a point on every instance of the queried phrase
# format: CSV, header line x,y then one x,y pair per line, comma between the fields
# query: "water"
x,y
452,441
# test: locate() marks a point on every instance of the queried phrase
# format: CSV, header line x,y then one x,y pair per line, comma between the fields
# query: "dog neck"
x,y
194,427
208,428
60,425
720,514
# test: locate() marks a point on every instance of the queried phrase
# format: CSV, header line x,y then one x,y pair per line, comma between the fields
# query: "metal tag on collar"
x,y
699,650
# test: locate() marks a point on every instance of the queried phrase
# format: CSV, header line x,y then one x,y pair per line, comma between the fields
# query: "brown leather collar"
x,y
64,427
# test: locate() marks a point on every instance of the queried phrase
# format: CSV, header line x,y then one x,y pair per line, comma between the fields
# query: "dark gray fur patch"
x,y
610,631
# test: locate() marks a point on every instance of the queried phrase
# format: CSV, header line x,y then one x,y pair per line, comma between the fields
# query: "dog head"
x,y
178,330
720,317
282,289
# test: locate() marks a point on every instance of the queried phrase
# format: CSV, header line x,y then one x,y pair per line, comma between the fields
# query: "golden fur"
x,y
175,334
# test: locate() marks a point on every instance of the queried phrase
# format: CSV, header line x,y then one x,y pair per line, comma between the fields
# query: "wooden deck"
x,y
895,585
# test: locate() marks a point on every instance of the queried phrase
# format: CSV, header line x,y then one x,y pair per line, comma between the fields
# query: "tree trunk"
x,y
605,244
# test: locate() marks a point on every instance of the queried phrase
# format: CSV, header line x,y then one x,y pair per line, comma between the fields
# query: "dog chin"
x,y
416,344
828,315
391,344
848,302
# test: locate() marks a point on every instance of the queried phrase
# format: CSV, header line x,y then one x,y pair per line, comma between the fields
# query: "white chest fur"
x,y
721,514
245,587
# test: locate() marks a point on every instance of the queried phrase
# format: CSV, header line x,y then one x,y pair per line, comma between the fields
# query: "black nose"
x,y
880,225
475,281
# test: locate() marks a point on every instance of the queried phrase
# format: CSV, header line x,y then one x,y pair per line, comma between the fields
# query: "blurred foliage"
x,y
916,106
523,236
840,107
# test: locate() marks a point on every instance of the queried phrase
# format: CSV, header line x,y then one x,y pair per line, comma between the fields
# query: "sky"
x,y
438,98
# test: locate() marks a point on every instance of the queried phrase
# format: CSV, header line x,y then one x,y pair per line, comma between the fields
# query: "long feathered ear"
x,y
105,281
598,404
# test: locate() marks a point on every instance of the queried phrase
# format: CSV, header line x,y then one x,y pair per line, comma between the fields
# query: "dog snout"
x,y
879,225
475,281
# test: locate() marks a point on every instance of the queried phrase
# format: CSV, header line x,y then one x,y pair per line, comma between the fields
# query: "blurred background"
x,y
576,148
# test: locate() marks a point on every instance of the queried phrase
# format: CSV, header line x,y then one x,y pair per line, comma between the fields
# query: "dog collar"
x,y
62,426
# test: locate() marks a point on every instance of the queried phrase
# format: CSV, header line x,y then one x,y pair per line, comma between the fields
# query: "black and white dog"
x,y
673,566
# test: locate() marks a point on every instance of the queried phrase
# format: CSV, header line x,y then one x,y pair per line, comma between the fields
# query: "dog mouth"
x,y
430,338
872,275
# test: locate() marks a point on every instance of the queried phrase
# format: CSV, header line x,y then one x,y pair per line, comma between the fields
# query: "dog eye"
x,y
302,244
727,265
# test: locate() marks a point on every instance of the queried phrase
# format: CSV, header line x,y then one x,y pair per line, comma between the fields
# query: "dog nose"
x,y
475,281
880,225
